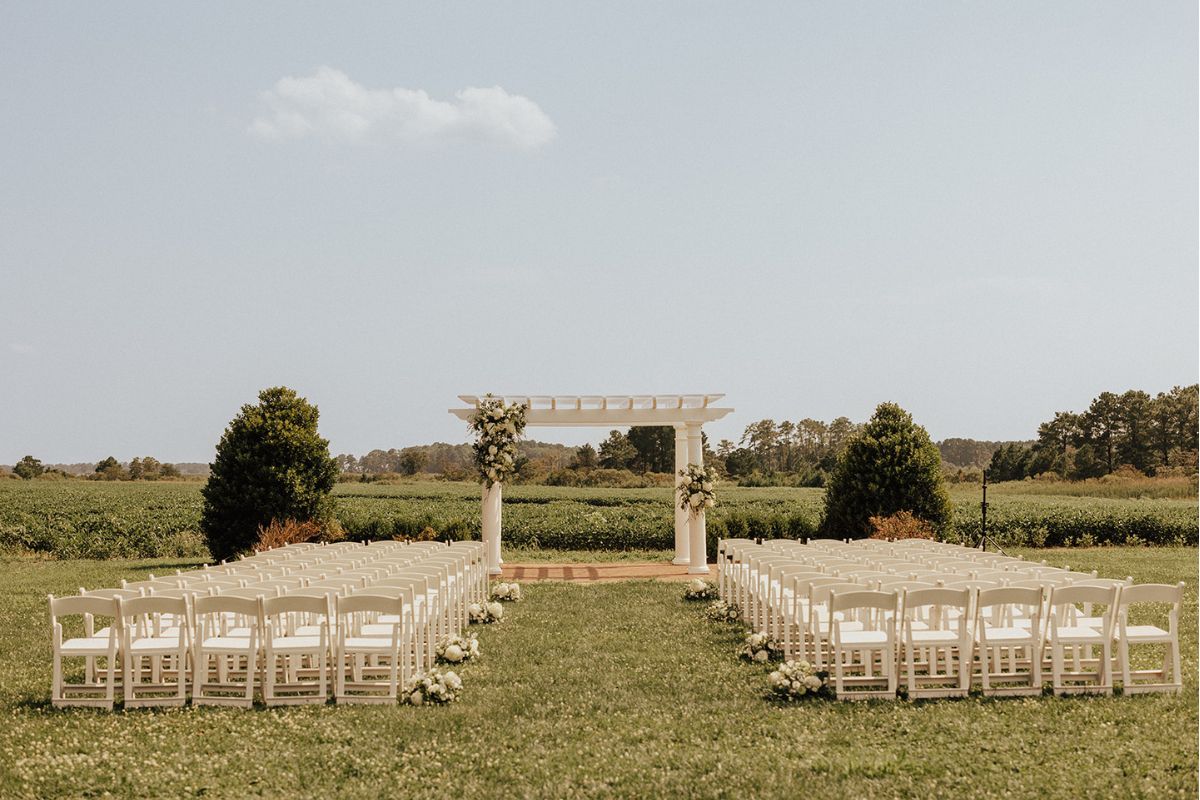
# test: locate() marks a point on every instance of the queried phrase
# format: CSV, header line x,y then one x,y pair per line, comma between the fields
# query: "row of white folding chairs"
x,y
799,611
941,654
435,589
750,574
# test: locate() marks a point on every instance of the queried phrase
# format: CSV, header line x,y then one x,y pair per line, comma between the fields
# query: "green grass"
x,y
604,690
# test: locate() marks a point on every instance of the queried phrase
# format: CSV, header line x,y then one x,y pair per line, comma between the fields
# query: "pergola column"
x,y
491,526
698,546
681,516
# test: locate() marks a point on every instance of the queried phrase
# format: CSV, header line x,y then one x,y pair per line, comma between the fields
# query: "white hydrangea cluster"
x,y
697,489
497,428
485,613
433,687
723,611
699,589
507,592
799,679
457,649
760,647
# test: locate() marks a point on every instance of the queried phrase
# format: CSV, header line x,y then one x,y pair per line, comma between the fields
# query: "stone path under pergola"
x,y
588,573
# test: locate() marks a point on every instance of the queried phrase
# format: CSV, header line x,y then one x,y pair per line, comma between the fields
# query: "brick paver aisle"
x,y
611,571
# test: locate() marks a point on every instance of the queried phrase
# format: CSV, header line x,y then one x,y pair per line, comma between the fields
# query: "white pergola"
x,y
686,413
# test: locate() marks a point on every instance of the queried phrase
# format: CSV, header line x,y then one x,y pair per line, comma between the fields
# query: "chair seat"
x,y
374,644
1008,636
86,646
1146,633
920,637
1078,634
148,645
861,637
226,644
295,644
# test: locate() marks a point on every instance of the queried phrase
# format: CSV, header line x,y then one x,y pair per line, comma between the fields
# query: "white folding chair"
x,y
936,632
864,657
1066,631
293,654
1142,599
154,628
96,690
227,638
1014,651
371,669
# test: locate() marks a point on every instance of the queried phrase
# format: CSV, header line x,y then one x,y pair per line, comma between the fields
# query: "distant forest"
x,y
1129,432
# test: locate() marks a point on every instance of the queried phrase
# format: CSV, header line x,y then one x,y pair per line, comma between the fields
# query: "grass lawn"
x,y
615,689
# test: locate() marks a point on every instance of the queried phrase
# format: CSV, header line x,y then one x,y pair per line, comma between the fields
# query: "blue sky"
x,y
984,212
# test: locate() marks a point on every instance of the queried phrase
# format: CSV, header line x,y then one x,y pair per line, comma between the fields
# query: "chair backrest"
x,y
87,605
153,605
819,592
226,604
848,600
365,602
1152,593
1079,595
295,604
123,594
1010,595
938,596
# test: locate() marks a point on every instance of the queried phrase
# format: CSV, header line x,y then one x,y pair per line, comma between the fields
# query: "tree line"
x,y
1131,431
145,468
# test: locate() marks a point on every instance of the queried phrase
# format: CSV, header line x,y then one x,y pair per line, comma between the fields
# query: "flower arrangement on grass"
x,y
796,680
699,589
435,687
457,649
506,592
723,611
761,648
485,613
697,489
497,428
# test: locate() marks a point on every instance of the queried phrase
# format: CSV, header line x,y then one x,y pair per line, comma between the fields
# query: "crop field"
x,y
79,519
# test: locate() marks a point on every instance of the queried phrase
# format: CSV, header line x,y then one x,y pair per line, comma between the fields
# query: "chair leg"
x,y
984,668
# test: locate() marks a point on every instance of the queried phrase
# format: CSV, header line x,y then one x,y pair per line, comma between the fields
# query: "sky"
x,y
984,212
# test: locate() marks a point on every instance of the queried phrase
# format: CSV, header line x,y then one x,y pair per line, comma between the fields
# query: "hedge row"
x,y
92,520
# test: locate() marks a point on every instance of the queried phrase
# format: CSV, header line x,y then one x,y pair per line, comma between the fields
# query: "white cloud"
x,y
329,104
21,348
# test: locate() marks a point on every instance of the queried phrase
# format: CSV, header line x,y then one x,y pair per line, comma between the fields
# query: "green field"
x,y
84,519
607,690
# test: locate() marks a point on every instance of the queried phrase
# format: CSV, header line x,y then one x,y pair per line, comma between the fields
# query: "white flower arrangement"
x,y
697,489
506,592
457,649
761,648
435,688
497,428
795,680
699,589
485,613
723,611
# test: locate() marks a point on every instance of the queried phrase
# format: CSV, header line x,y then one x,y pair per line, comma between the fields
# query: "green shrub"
x,y
270,465
891,465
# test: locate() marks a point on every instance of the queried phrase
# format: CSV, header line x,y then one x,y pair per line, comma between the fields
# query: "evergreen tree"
x,y
890,466
616,452
270,465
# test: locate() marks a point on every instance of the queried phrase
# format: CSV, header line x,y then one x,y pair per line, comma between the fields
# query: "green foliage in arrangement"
x,y
271,465
891,465
607,690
